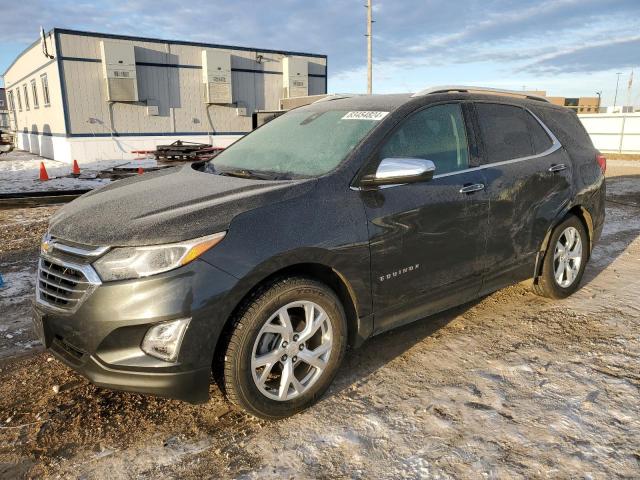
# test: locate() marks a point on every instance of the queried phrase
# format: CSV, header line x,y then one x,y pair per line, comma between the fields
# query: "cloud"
x,y
507,33
623,53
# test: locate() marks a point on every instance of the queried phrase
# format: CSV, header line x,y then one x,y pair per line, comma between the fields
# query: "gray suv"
x,y
332,223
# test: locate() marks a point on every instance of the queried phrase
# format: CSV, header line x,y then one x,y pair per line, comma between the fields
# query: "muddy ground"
x,y
512,386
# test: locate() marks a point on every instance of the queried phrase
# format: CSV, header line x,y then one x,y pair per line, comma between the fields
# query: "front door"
x,y
427,239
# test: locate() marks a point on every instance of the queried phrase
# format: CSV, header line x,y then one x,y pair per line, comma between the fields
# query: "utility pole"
x,y
369,49
615,98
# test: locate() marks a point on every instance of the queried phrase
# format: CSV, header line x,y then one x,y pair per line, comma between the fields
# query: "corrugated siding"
x,y
178,92
317,85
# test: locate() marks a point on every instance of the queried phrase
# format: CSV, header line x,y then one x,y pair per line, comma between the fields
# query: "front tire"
x,y
565,260
285,348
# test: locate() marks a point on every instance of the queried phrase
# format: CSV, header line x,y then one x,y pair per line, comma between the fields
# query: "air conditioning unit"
x,y
216,76
295,77
119,69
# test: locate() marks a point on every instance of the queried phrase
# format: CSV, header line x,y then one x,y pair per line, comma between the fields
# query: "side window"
x,y
505,131
26,96
539,138
437,134
34,94
45,89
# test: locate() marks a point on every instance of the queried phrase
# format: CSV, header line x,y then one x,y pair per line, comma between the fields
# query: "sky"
x,y
566,47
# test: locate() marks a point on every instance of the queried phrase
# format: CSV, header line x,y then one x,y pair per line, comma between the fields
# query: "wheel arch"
x,y
357,327
583,215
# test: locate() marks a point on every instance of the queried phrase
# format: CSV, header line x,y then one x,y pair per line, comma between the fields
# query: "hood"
x,y
166,206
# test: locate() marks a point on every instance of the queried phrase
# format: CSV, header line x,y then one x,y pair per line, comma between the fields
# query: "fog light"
x,y
163,341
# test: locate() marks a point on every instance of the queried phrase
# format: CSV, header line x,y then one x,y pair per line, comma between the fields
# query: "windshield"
x,y
299,143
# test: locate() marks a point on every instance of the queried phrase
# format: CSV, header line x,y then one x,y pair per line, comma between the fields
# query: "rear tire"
x,y
286,324
564,260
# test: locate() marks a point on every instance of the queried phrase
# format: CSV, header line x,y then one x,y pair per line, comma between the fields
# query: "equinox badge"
x,y
399,272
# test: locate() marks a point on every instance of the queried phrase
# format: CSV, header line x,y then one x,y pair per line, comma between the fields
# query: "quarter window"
x,y
26,96
437,134
539,137
505,131
45,89
34,94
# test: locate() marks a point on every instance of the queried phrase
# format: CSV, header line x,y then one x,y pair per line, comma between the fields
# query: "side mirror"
x,y
394,171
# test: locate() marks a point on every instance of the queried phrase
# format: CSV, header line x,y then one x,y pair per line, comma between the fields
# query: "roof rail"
x,y
336,96
490,91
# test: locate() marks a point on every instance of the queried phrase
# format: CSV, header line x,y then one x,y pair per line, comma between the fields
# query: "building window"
x,y
34,94
45,89
12,106
2,104
571,102
19,99
26,96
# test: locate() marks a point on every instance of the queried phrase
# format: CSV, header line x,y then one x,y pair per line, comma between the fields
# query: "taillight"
x,y
602,161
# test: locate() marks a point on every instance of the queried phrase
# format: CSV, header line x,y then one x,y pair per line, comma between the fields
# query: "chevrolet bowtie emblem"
x,y
47,245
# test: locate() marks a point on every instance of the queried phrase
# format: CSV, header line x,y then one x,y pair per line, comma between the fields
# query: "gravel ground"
x,y
512,386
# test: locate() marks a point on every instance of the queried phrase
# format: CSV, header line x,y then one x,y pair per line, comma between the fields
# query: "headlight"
x,y
123,263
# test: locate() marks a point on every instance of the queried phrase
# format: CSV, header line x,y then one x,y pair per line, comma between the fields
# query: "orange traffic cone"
x,y
140,171
44,176
76,168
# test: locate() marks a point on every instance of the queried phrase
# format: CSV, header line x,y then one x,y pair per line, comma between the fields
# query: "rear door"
x,y
528,181
427,239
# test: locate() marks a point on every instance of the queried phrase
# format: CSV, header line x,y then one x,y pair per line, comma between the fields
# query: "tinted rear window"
x,y
505,131
566,126
539,138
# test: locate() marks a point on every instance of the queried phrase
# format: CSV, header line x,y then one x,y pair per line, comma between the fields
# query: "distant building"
x,y
620,109
579,104
4,109
92,96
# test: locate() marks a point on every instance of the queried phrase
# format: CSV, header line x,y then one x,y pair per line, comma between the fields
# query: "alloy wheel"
x,y
291,350
567,257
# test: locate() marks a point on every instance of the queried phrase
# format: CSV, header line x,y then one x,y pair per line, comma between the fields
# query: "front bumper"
x,y
101,339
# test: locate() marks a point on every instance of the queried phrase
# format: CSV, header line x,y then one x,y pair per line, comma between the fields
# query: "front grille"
x,y
61,286
65,275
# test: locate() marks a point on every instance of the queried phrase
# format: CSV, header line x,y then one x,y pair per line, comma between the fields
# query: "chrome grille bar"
x,y
59,286
64,300
62,275
62,285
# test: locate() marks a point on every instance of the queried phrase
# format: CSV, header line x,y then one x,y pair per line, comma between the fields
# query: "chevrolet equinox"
x,y
334,222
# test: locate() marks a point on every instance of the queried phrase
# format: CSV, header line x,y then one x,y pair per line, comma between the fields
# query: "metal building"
x,y
92,96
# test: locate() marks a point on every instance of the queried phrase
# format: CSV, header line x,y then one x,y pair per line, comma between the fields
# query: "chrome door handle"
x,y
557,168
472,188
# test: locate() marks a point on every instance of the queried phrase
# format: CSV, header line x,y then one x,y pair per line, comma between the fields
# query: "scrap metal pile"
x,y
185,151
6,142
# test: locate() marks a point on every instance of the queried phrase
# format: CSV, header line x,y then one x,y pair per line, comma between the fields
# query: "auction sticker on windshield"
x,y
365,115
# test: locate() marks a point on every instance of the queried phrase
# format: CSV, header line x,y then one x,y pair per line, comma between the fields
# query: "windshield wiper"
x,y
260,175
236,173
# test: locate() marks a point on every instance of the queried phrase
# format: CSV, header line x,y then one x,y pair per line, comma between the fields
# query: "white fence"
x,y
614,132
